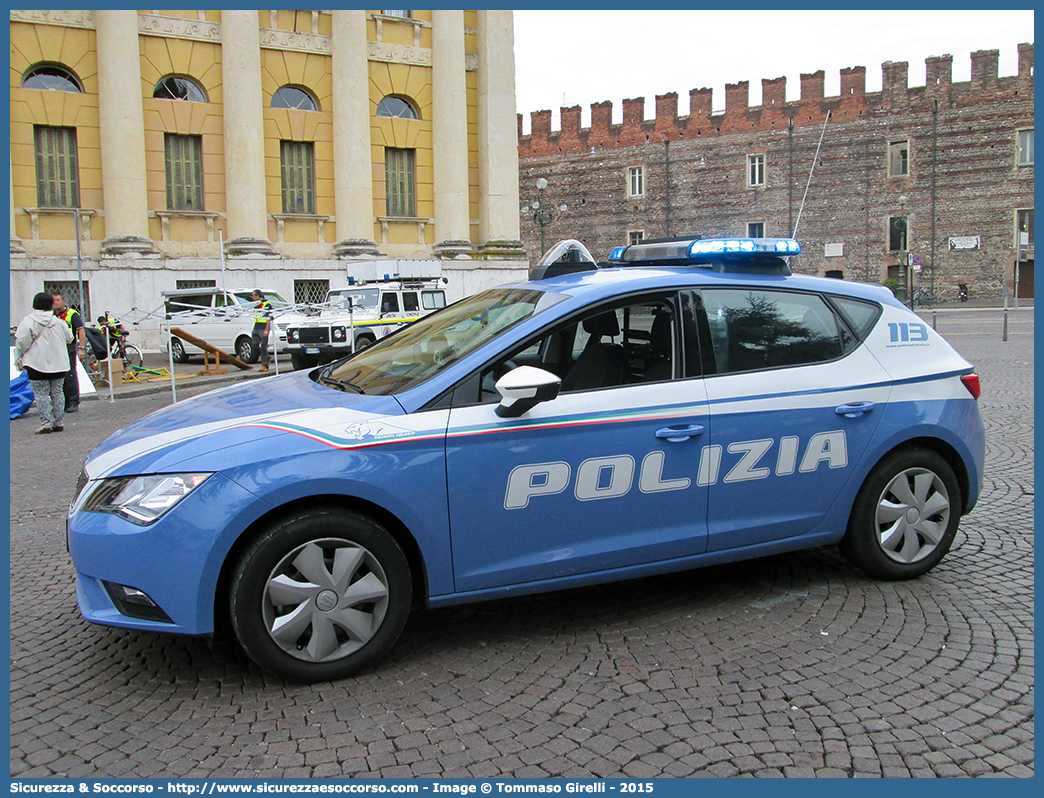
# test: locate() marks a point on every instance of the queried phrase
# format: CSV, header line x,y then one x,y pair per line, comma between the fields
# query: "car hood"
x,y
193,432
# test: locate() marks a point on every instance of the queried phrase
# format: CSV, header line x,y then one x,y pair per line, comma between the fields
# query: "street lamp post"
x,y
543,214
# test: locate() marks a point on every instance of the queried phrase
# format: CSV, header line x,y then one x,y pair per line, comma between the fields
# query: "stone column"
x,y
122,130
450,135
499,232
353,159
246,210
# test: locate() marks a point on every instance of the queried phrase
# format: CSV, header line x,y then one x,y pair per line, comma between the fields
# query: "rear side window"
x,y
179,304
860,315
753,329
433,300
409,301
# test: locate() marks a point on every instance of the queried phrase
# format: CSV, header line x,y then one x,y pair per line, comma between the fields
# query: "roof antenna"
x,y
793,233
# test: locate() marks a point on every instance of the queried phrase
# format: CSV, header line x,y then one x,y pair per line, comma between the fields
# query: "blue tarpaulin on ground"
x,y
21,394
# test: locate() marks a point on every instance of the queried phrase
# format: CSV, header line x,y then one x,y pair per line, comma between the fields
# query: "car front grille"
x,y
314,335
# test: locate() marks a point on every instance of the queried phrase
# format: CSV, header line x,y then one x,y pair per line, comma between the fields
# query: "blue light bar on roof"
x,y
616,253
745,246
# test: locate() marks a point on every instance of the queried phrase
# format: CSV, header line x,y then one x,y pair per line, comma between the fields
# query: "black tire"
x,y
131,356
299,360
905,516
245,349
343,623
363,341
177,351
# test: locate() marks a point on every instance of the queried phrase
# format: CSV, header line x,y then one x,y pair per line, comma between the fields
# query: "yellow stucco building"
x,y
298,140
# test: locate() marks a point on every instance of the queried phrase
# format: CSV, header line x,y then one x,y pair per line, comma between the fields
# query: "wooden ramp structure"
x,y
208,350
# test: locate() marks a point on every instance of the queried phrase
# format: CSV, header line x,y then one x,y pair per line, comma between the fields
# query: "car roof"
x,y
210,289
595,283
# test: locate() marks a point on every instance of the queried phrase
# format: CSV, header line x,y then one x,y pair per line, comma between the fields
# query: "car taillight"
x,y
971,382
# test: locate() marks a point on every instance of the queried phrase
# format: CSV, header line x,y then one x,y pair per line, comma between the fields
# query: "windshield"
x,y
271,296
360,298
419,351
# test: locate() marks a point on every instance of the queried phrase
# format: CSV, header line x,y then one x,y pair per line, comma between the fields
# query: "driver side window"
x,y
608,348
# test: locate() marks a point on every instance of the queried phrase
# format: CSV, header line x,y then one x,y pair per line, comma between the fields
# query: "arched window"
x,y
51,77
294,97
177,87
397,108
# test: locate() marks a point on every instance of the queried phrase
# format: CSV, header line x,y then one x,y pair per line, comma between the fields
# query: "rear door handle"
x,y
854,410
679,433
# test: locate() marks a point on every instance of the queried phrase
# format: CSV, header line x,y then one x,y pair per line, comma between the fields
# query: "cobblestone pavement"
x,y
793,665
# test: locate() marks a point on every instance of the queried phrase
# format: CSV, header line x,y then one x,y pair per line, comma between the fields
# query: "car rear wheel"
x,y
177,351
320,595
245,350
905,516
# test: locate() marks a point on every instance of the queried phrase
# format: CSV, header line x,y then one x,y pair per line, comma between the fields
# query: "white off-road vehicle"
x,y
353,317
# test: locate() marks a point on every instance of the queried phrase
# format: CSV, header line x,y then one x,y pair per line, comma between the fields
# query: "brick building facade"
x,y
942,173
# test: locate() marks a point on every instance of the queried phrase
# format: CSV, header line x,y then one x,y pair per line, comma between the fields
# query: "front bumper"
x,y
175,561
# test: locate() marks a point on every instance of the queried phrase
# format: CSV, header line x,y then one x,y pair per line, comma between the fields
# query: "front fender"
x,y
406,479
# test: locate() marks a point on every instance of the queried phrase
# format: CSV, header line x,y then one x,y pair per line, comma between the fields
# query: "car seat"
x,y
602,363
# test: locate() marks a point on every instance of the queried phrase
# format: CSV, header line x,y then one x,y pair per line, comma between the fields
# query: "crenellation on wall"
x,y
633,117
1026,62
700,104
773,92
737,98
775,112
601,121
938,71
853,82
984,70
813,86
895,88
667,113
540,122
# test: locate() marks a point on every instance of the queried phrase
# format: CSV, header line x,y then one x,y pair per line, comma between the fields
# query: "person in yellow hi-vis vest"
x,y
262,324
77,349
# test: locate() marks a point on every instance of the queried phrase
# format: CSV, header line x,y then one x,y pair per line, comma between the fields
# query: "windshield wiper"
x,y
344,385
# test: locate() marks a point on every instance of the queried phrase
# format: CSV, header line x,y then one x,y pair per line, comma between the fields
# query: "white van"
x,y
222,318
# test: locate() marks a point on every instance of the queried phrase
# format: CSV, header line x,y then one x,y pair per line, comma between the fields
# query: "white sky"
x,y
566,58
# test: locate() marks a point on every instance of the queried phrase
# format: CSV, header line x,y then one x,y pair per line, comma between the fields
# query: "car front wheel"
x,y
320,595
905,516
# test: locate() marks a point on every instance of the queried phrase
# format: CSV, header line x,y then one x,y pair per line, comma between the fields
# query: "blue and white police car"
x,y
690,402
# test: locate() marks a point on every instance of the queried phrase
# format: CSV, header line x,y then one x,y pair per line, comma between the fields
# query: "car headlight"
x,y
292,335
141,500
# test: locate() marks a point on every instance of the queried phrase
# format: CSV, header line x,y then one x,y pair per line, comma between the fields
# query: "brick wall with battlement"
x,y
963,175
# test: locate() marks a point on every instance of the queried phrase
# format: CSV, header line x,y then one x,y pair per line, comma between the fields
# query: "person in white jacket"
x,y
42,339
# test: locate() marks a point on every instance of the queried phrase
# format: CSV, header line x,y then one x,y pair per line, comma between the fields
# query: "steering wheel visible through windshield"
x,y
417,352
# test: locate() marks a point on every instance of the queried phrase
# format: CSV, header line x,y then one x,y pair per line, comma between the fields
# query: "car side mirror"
x,y
525,387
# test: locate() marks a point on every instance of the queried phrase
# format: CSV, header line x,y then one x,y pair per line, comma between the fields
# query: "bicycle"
x,y
129,353
118,346
923,298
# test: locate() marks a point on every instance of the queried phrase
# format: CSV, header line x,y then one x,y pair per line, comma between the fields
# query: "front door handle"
x,y
854,410
680,433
